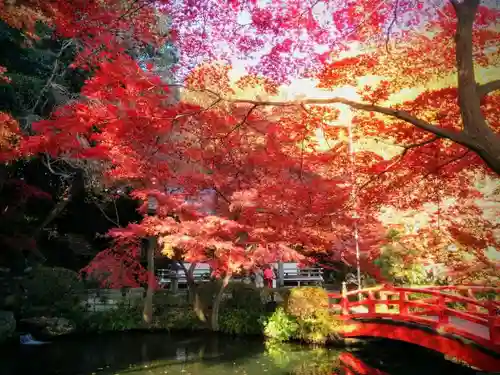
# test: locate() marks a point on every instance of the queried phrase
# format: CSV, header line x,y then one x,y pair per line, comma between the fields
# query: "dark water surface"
x,y
155,354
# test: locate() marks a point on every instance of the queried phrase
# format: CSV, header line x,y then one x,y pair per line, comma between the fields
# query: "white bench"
x,y
295,276
165,276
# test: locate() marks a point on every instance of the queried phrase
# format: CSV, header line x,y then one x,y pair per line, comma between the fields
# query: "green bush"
x,y
240,322
51,291
318,330
7,325
488,296
121,318
306,302
237,295
281,326
164,299
244,297
240,308
176,318
305,317
207,292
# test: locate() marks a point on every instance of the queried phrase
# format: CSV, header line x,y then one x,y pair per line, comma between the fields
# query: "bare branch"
x,y
242,122
62,174
399,159
116,212
455,136
393,22
448,162
55,68
114,222
483,90
222,195
462,137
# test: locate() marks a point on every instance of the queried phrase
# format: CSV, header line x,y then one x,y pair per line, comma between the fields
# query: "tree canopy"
x,y
282,125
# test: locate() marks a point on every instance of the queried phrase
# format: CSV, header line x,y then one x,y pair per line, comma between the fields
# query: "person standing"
x,y
269,276
259,278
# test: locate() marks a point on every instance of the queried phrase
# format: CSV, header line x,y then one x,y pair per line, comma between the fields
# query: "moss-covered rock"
x,y
49,326
7,325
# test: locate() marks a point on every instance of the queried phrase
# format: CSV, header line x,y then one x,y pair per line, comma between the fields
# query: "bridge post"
x,y
442,313
403,306
344,300
494,323
383,307
472,308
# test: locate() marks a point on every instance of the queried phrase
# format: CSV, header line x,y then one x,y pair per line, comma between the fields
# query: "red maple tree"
x,y
422,74
276,186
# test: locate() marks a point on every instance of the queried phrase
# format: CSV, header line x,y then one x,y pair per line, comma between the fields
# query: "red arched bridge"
x,y
461,322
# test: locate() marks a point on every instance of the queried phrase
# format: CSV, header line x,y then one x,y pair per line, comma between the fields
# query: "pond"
x,y
142,353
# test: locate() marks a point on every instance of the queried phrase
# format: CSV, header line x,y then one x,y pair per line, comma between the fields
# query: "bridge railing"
x,y
437,307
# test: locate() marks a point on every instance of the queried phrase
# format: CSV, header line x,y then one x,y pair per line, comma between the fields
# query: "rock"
x,y
7,325
49,326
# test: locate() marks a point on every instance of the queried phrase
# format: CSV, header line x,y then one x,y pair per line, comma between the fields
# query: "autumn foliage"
x,y
243,173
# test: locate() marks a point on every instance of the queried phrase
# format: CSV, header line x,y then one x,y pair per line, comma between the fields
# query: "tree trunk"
x,y
194,296
148,302
483,139
56,210
214,321
53,214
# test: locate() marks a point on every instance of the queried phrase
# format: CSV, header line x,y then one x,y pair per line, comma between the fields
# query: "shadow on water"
x,y
401,358
142,353
114,353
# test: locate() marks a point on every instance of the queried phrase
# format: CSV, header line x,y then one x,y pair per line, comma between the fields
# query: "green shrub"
x,y
240,308
125,317
121,318
237,295
176,318
51,291
281,326
306,302
164,299
240,322
207,292
305,317
7,325
243,296
318,330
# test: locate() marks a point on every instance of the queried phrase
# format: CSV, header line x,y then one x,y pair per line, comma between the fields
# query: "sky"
x,y
307,88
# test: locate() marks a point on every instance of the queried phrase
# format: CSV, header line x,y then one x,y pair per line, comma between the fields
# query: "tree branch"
x,y
449,161
486,146
55,68
398,160
389,30
455,136
106,216
483,90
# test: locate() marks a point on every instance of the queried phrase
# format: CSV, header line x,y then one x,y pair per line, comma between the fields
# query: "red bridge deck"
x,y
457,321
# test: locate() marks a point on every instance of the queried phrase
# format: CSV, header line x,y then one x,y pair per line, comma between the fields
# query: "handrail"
x,y
377,305
436,287
456,298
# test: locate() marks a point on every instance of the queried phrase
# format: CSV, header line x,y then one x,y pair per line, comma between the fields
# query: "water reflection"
x,y
155,354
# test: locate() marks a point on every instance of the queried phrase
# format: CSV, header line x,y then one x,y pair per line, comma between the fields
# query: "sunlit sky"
x,y
307,88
